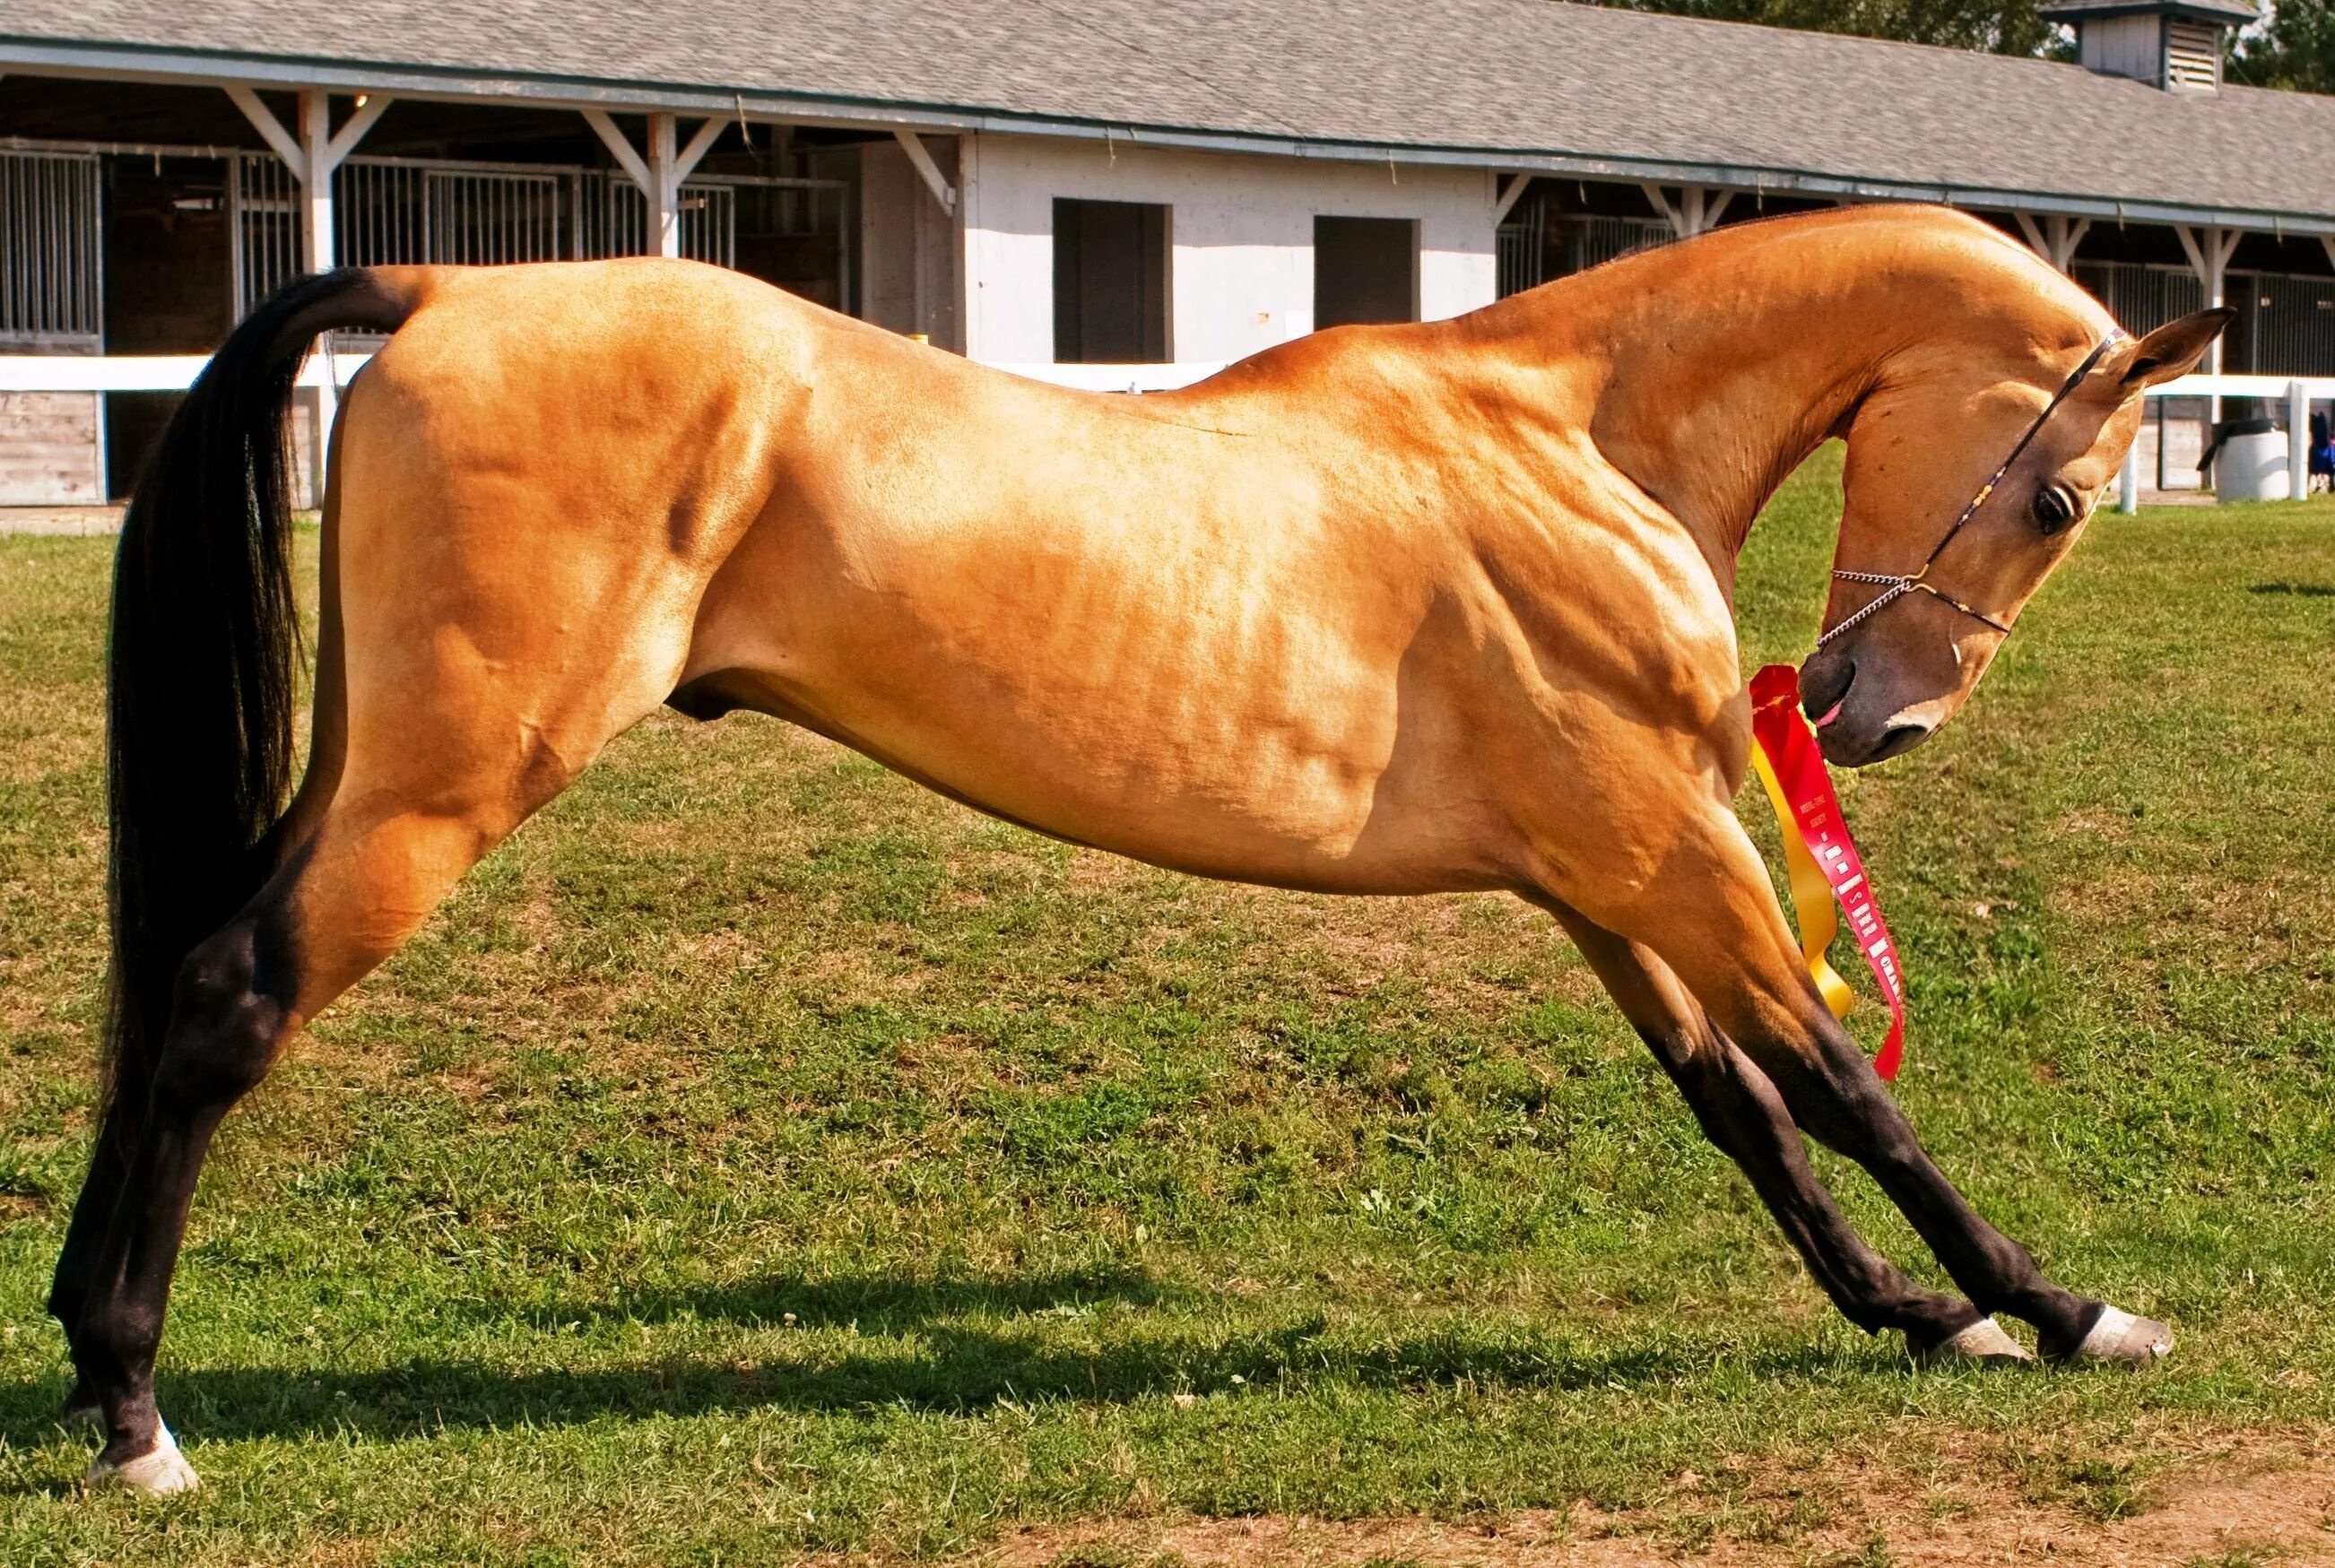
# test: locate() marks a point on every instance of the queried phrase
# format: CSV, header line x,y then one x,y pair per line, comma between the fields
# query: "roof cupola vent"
x,y
2175,44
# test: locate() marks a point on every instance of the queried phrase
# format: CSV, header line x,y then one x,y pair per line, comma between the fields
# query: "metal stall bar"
x,y
52,276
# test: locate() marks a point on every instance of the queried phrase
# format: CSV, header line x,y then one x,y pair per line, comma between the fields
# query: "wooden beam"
x,y
699,146
2195,252
622,150
1718,201
2034,233
1505,200
934,181
369,110
2066,234
271,130
1661,200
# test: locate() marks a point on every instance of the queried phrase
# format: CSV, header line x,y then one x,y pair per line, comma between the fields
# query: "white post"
x,y
2209,249
317,180
2054,239
314,155
316,249
664,197
2128,477
2298,440
661,176
1697,210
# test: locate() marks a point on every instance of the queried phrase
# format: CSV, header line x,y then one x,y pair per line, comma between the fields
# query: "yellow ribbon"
x,y
1811,896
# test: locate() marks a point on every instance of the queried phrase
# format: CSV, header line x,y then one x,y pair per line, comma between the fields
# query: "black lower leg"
x,y
225,1025
122,1327
75,1279
1741,1112
1841,1102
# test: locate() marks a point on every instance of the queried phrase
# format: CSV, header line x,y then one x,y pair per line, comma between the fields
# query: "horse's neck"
x,y
1713,378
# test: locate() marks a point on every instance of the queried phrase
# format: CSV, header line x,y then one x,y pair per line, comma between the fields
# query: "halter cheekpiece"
x,y
1895,586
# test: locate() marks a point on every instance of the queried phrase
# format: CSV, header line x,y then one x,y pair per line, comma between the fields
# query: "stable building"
x,y
1119,194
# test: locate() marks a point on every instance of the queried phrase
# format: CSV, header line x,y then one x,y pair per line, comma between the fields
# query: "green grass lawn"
x,y
761,1157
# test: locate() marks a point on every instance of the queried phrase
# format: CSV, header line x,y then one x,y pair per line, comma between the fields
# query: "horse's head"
x,y
1921,446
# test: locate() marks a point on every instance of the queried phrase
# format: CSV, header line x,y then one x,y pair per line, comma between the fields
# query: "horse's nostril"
x,y
1899,739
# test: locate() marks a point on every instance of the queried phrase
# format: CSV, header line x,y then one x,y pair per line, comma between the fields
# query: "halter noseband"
x,y
1895,586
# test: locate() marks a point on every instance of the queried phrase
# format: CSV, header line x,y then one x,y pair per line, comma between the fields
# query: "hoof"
x,y
159,1472
2122,1340
1983,1343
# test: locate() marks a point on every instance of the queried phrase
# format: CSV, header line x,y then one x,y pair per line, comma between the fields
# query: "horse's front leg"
x,y
1713,917
1740,1111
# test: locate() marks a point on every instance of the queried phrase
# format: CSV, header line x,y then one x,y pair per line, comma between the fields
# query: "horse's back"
x,y
1245,630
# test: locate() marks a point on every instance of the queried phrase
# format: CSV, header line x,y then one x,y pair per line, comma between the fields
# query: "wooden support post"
x,y
1696,211
315,155
2209,249
2298,440
660,175
2054,240
2066,234
664,190
2128,477
316,248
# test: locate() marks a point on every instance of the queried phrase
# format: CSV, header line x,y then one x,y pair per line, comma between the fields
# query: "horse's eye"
x,y
2054,510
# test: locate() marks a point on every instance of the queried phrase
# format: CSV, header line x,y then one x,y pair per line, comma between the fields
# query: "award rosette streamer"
x,y
1820,857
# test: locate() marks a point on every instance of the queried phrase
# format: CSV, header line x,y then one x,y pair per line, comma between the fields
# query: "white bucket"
x,y
2252,468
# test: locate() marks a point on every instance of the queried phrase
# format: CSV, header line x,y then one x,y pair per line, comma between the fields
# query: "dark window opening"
x,y
1110,282
1365,269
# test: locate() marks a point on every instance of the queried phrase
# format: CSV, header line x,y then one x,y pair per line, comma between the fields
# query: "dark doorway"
x,y
1110,282
169,286
1365,269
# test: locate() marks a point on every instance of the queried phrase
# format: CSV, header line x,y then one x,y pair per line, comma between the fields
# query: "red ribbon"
x,y
1790,747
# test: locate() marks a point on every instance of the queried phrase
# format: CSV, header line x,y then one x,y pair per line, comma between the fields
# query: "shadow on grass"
x,y
877,1303
953,1349
2299,590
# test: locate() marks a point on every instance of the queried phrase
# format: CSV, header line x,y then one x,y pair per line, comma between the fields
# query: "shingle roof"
x,y
1520,83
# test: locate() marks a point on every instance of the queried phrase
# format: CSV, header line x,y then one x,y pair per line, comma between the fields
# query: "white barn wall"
x,y
908,244
1240,228
2130,47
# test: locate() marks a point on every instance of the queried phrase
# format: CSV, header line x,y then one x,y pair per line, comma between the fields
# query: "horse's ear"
x,y
2173,350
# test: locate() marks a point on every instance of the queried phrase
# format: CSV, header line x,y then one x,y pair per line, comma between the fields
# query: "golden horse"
x,y
1387,610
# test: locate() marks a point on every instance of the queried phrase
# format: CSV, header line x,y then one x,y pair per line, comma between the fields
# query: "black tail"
x,y
204,659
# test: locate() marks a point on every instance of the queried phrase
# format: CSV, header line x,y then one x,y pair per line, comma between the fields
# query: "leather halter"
x,y
1895,586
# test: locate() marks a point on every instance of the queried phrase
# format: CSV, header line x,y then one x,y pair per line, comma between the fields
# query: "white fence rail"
x,y
33,372
2294,395
63,373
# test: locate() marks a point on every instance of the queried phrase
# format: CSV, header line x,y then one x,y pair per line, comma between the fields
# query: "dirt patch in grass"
x,y
2246,1507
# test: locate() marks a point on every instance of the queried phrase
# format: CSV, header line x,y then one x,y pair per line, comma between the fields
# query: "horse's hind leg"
x,y
440,758
1741,1113
345,901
